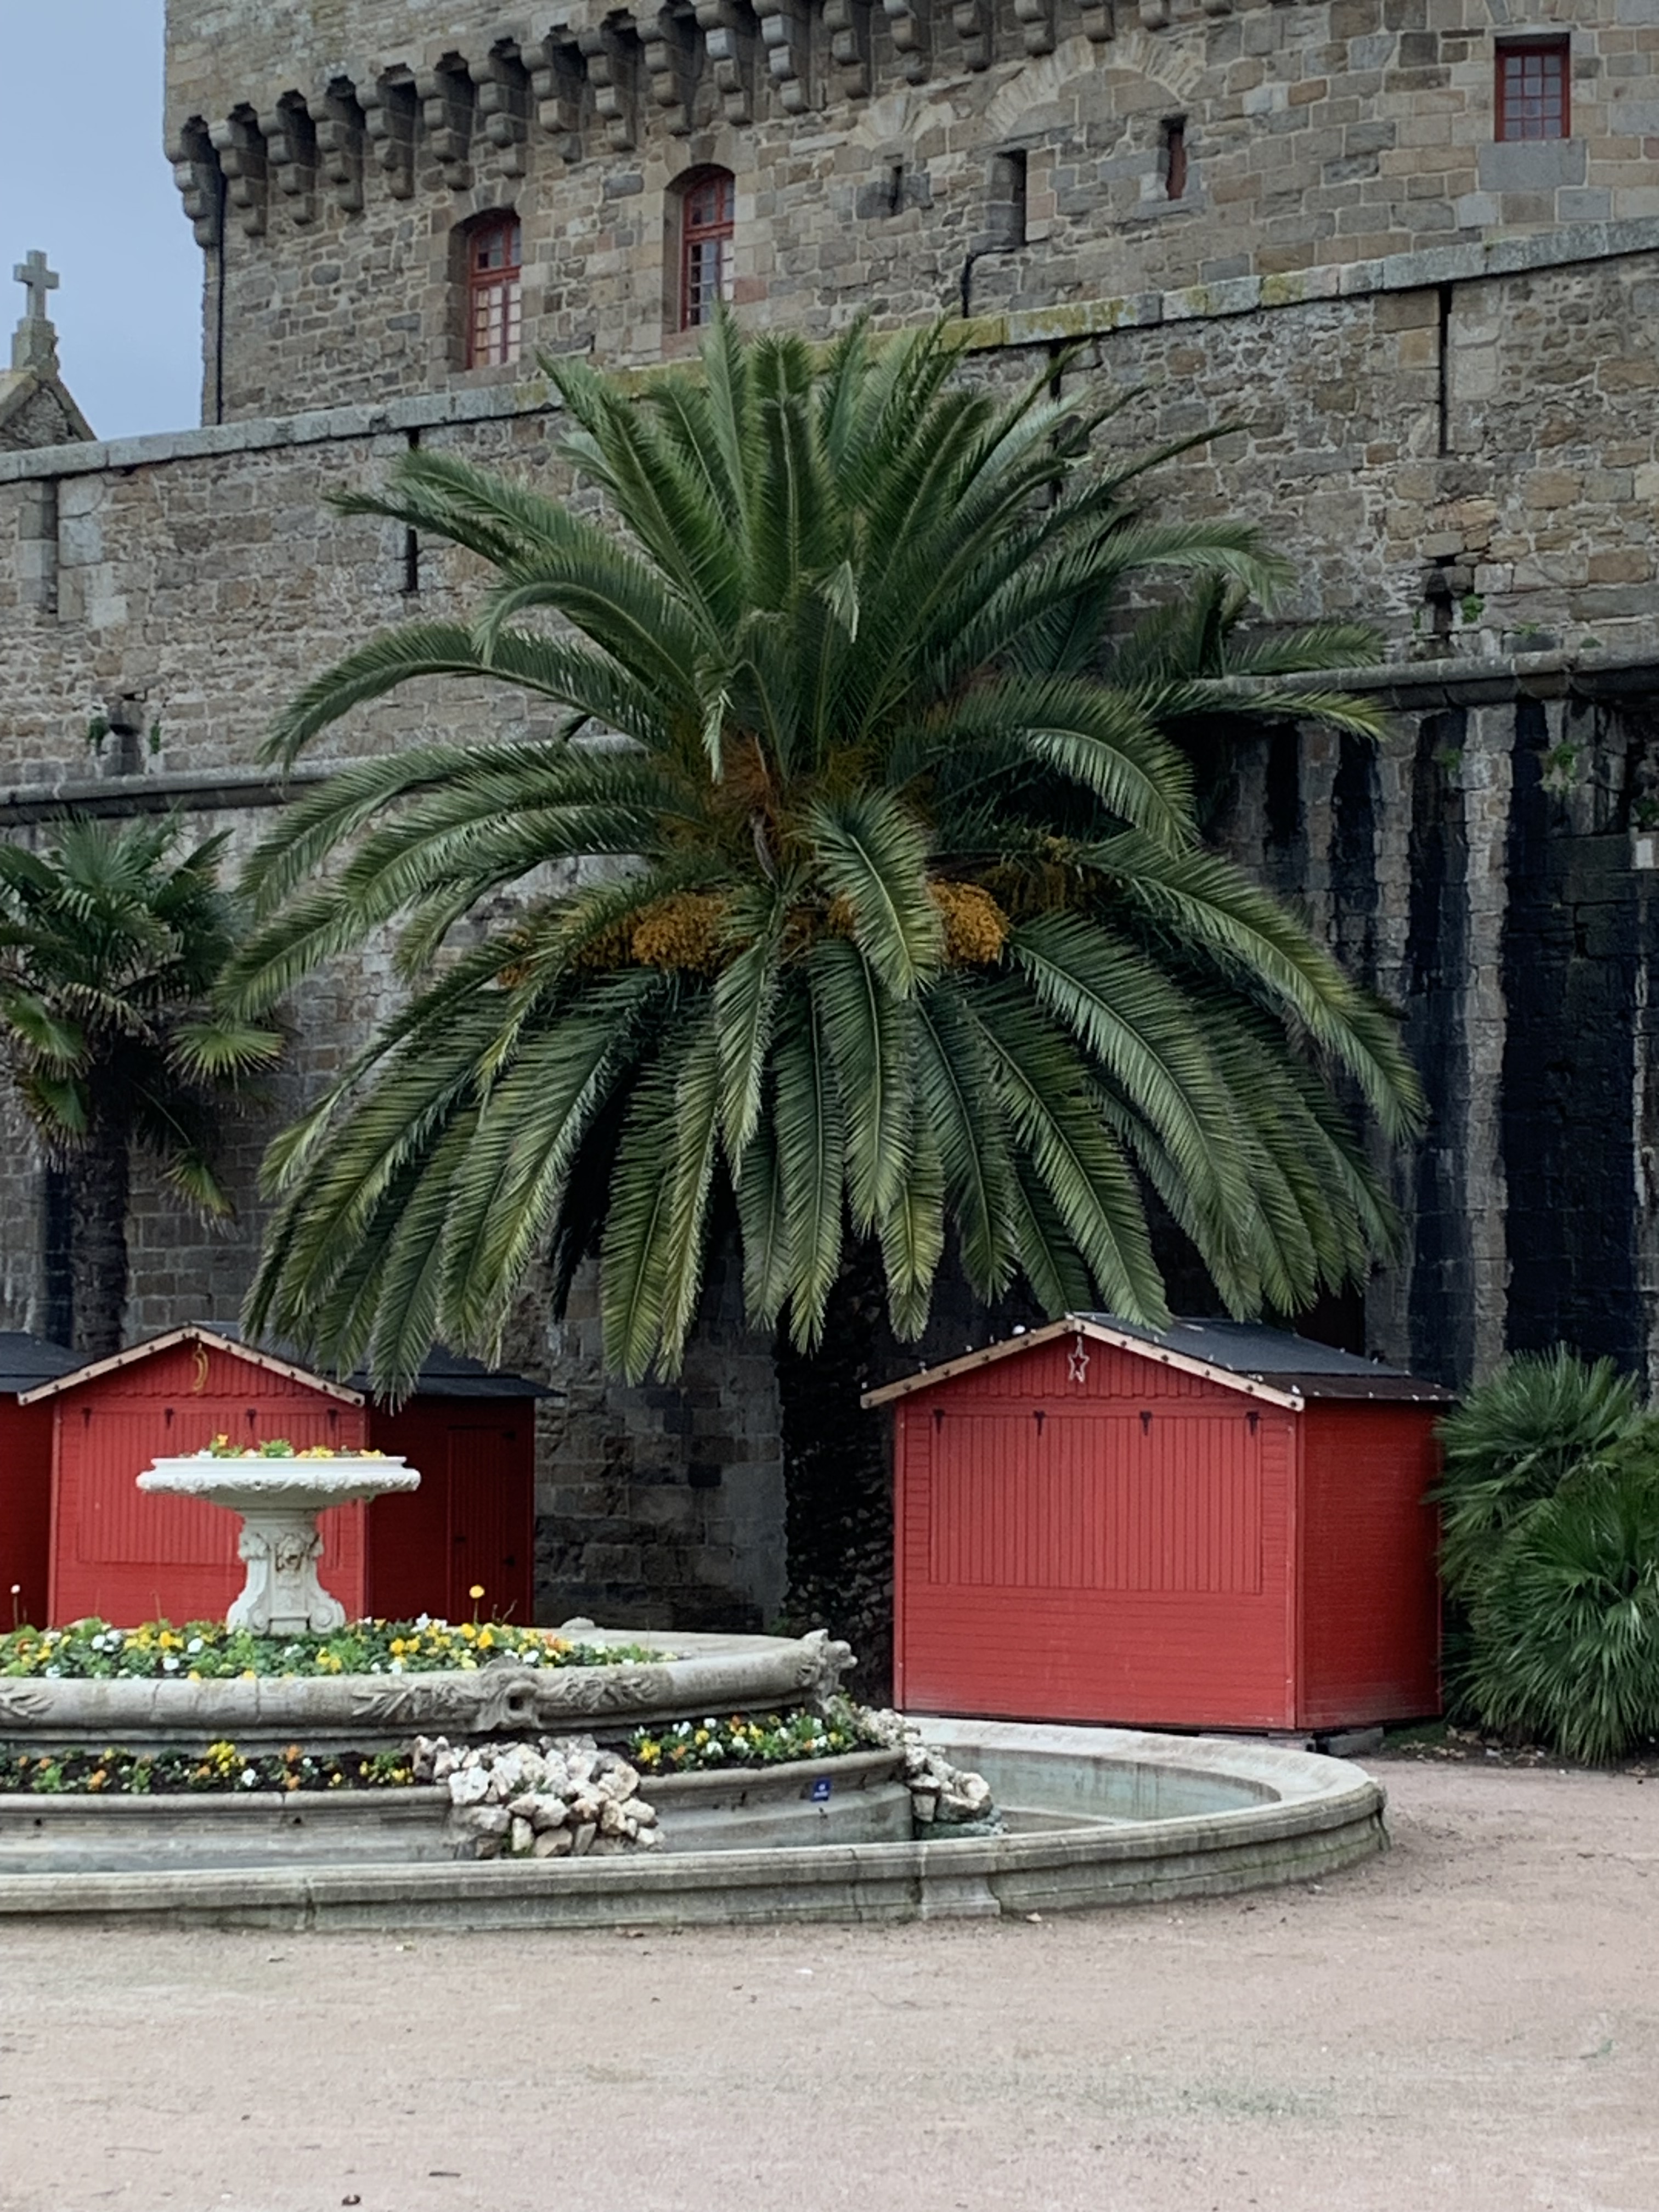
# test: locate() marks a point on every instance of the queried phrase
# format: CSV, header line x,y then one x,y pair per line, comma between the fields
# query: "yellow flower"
x,y
477,1590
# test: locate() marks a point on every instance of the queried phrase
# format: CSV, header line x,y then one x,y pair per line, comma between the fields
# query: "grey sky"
x,y
83,176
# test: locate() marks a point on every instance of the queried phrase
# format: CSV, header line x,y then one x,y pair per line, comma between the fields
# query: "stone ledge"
x,y
318,426
1420,271
1425,684
214,790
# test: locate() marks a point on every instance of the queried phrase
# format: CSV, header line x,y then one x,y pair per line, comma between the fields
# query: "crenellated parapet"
x,y
596,82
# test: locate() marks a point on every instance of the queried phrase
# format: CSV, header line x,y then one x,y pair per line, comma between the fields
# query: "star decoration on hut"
x,y
1077,1362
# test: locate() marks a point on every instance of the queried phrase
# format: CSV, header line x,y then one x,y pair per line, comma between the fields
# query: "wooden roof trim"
x,y
211,1338
1183,1363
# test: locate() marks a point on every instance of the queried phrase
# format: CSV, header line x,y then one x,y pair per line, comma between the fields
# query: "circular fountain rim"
x,y
1323,1814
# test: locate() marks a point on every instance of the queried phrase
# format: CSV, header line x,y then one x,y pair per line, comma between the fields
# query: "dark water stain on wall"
x,y
1440,1309
1571,950
1354,891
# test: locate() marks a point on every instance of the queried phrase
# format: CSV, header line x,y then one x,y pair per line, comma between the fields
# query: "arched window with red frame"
x,y
495,291
707,210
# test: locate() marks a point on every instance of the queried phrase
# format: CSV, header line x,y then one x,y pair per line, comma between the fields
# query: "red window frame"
x,y
1534,95
494,292
707,220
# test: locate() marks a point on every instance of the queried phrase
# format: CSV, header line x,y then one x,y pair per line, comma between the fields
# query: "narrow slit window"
x,y
707,209
494,287
1533,100
1008,194
1174,158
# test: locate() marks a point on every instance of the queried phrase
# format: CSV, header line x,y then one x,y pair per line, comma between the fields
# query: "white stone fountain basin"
x,y
278,1501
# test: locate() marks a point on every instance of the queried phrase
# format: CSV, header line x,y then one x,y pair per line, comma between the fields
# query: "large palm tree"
x,y
112,944
857,898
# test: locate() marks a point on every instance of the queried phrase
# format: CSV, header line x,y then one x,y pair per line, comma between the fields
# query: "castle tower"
x,y
365,176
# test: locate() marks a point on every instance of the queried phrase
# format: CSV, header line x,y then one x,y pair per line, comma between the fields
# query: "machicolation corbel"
x,y
611,51
241,150
340,145
291,149
911,24
503,96
728,34
785,35
447,102
848,22
670,48
558,85
389,114
201,184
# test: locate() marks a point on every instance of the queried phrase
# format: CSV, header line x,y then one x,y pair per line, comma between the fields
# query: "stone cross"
x,y
36,280
34,346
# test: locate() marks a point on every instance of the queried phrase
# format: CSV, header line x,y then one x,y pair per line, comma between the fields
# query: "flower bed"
x,y
207,1650
221,1768
749,1740
280,1447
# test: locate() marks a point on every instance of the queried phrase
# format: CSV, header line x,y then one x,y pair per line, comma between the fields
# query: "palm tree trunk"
x,y
99,1176
838,1490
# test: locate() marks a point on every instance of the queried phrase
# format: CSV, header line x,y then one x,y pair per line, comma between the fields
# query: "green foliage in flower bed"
x,y
749,1740
221,1767
206,1650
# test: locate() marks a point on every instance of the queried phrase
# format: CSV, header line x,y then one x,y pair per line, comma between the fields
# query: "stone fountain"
x,y
279,1500
1087,1816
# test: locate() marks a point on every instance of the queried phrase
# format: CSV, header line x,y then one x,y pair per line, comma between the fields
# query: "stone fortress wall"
x,y
1441,353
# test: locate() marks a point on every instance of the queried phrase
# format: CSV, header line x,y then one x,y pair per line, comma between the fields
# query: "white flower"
x,y
194,1645
250,1779
395,1667
97,1643
170,1662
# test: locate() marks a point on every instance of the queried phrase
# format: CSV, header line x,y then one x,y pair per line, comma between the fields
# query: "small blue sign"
x,y
821,1790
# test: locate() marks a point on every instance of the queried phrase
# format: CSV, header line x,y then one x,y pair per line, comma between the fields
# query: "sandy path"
x,y
1471,2023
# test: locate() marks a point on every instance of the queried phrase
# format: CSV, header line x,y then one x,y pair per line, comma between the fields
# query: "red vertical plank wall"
x,y
1113,1547
25,1512
127,1556
1371,1596
471,1522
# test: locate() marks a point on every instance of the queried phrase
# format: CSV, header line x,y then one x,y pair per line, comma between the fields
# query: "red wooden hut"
x,y
471,1431
1212,1526
26,1475
126,1555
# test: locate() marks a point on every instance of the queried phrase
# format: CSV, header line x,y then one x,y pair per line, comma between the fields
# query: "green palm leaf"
x,y
858,892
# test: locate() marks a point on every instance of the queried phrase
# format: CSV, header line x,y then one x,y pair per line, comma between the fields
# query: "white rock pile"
x,y
940,1795
557,1797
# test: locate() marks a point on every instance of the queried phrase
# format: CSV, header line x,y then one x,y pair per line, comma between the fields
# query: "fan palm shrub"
x,y
1512,1442
112,941
877,916
1565,1629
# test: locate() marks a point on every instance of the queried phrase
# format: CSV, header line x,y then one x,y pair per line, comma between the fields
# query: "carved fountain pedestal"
x,y
278,1501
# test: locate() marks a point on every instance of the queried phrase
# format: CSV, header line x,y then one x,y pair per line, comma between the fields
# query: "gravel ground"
x,y
1470,2023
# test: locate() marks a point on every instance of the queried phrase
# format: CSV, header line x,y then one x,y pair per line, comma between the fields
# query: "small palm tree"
x,y
1513,1441
858,896
111,948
